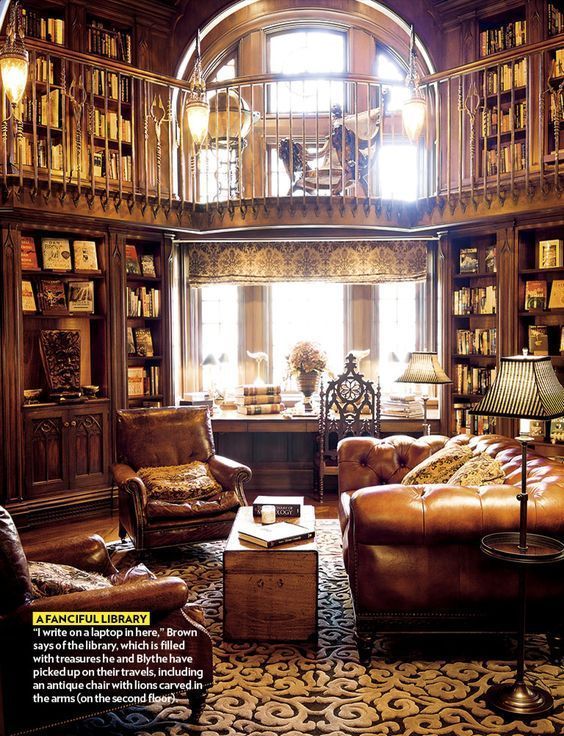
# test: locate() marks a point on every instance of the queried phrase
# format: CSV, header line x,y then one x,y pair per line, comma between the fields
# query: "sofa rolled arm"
x,y
86,553
367,461
435,514
230,474
157,596
128,480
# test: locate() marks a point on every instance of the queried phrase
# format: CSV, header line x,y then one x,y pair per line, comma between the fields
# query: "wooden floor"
x,y
107,524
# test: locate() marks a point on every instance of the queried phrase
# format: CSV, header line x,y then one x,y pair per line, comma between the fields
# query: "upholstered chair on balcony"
x,y
173,488
76,574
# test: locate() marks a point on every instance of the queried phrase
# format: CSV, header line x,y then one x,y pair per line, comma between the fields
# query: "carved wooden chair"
x,y
350,407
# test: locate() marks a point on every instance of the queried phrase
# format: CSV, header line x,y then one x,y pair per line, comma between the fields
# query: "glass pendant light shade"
x,y
14,59
413,113
198,113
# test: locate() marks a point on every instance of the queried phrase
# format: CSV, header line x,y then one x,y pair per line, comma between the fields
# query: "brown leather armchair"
x,y
165,598
172,437
412,553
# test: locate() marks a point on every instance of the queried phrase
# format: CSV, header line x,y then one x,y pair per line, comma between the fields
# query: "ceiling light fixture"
x,y
197,105
414,110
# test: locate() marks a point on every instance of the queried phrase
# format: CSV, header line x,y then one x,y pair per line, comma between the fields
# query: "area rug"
x,y
415,686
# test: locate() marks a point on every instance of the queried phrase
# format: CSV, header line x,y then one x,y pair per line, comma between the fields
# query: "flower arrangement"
x,y
306,357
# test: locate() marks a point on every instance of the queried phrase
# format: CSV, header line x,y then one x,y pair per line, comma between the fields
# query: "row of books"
x,y
28,154
559,62
143,302
546,339
506,120
501,161
476,342
503,37
140,342
508,76
47,29
111,125
53,298
48,109
475,300
110,165
116,87
555,20
536,292
556,106
469,263
136,265
111,43
44,70
466,423
56,254
143,381
473,380
253,400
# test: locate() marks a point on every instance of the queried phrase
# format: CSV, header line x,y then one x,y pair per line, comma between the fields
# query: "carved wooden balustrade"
x,y
107,138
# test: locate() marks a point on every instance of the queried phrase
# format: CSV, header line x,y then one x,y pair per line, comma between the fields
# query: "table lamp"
x,y
423,367
525,387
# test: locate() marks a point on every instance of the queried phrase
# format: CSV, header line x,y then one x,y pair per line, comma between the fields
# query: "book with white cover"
x,y
273,535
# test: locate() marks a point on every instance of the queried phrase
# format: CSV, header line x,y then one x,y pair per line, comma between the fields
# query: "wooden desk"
x,y
281,452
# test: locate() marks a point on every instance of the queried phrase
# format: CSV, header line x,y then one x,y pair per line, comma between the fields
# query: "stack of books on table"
x,y
259,399
407,407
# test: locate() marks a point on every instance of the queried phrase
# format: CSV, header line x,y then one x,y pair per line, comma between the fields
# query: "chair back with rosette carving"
x,y
350,407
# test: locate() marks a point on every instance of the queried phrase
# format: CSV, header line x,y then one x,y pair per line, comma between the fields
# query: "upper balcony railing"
x,y
102,132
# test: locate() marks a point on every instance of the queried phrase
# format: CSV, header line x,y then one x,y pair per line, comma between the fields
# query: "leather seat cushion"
x,y
439,467
218,504
478,471
180,483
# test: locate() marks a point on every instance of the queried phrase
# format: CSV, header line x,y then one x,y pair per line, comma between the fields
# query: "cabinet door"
x,y
46,457
88,446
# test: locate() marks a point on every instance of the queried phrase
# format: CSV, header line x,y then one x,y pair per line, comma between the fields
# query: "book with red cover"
x,y
28,254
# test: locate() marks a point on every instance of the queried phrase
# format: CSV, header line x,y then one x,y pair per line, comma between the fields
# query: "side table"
x,y
518,698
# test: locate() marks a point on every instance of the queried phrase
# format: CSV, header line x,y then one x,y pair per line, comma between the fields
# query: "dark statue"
x,y
60,354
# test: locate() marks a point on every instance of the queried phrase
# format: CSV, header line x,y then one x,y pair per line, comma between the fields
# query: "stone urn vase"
x,y
308,382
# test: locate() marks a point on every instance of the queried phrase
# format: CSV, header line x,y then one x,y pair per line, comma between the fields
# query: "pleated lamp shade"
x,y
526,387
423,368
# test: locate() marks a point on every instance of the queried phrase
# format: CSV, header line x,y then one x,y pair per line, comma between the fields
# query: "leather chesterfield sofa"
x,y
412,553
165,599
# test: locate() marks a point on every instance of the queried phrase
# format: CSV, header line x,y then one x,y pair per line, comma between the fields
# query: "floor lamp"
x,y
424,367
526,387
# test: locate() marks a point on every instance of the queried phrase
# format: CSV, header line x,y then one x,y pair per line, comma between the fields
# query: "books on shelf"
x,y
476,342
28,298
28,254
504,120
273,535
56,254
44,70
130,341
51,297
538,339
468,260
148,265
466,423
29,158
132,261
110,165
48,106
506,78
255,409
491,259
504,36
284,506
556,300
109,42
116,87
109,124
143,341
43,27
551,253
135,381
475,300
85,256
143,302
81,297
535,295
503,162
473,379
555,19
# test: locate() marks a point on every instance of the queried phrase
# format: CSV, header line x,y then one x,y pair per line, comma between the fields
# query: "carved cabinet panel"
x,y
66,448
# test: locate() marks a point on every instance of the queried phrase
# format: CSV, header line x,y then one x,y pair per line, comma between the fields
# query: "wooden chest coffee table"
x,y
269,594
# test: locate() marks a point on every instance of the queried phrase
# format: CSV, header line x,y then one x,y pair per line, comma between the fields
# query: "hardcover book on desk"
x,y
273,535
284,506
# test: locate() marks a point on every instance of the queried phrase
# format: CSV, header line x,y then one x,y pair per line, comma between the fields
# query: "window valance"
x,y
348,262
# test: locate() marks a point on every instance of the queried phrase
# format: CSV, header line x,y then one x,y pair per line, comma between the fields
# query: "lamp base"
x,y
516,699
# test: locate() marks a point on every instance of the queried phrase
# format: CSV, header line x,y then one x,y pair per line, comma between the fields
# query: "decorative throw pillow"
x,y
439,467
48,578
132,575
480,470
178,483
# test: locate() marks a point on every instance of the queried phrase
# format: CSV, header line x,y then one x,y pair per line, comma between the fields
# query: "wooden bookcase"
x,y
471,315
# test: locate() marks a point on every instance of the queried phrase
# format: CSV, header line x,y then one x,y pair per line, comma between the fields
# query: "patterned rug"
x,y
415,686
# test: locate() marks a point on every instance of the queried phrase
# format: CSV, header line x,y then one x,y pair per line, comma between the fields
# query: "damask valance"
x,y
347,262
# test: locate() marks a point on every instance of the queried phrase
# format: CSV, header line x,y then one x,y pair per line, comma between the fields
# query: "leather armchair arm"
x,y
86,553
230,474
436,514
157,596
129,481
